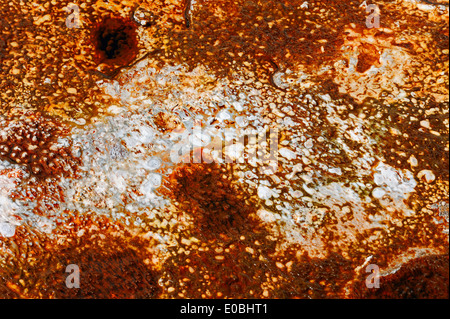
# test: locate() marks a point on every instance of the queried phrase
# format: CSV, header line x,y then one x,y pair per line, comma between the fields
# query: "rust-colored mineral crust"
x,y
224,149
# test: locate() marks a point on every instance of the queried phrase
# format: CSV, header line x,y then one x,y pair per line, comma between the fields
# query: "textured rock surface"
x,y
212,149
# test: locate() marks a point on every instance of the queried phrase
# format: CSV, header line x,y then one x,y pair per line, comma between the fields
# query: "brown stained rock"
x,y
367,57
167,122
420,278
32,140
115,42
113,264
52,71
217,204
44,60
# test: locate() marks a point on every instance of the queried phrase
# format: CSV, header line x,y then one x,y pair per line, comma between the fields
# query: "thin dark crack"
x,y
435,3
114,73
187,13
277,68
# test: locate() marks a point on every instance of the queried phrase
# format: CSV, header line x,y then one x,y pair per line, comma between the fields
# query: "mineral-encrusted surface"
x,y
127,148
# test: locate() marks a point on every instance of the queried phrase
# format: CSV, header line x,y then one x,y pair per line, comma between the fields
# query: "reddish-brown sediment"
x,y
421,278
115,42
48,76
31,140
112,263
207,193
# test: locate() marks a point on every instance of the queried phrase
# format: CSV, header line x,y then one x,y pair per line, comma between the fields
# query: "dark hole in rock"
x,y
115,40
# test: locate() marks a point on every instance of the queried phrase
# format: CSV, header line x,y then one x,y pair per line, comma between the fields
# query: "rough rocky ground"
x,y
122,149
